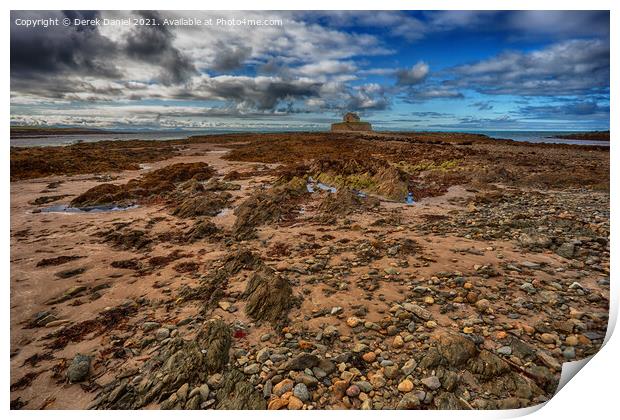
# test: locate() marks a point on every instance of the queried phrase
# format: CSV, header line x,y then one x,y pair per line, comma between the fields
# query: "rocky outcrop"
x,y
269,296
180,365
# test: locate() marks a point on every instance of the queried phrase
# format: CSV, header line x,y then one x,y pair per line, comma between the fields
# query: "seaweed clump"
x,y
278,204
269,296
155,184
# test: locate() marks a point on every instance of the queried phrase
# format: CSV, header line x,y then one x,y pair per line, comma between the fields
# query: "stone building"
x,y
351,122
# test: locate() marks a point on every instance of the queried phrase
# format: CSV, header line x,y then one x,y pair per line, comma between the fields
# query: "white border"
x,y
592,395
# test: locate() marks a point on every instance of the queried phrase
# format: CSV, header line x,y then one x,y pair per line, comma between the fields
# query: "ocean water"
x,y
540,137
64,139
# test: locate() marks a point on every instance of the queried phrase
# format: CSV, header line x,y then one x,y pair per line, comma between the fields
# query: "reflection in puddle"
x,y
223,212
63,208
312,185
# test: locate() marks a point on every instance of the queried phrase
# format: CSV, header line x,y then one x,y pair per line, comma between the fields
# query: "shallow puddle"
x,y
312,185
63,208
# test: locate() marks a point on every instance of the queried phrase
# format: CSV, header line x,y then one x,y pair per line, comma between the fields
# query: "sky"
x,y
424,70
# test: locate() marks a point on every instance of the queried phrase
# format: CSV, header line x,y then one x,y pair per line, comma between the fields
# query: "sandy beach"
x,y
305,270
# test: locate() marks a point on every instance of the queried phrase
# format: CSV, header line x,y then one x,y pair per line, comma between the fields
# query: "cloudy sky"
x,y
442,70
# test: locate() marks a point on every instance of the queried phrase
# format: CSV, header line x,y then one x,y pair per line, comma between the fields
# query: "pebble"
x,y
369,357
359,347
204,392
353,391
225,306
283,386
391,371
528,287
183,391
398,342
405,386
150,325
409,367
569,353
549,360
530,265
429,300
277,403
353,321
548,338
372,326
295,403
431,324
263,355
364,386
408,402
301,391
79,368
505,350
251,369
483,305
417,310
162,333
432,382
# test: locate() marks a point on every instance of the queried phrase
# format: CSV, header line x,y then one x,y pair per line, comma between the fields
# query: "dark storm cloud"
x,y
230,57
44,52
262,92
153,44
568,68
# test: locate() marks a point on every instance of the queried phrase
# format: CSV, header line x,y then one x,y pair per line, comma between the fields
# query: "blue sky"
x,y
430,70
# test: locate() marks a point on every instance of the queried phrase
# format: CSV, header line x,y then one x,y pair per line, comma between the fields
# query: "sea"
x,y
67,139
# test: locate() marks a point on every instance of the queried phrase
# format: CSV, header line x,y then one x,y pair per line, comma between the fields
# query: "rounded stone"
x,y
283,386
405,386
162,333
353,391
353,322
398,342
548,338
483,305
301,391
79,368
369,357
432,382
295,403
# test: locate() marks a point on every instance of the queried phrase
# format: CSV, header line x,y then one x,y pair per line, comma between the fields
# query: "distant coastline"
x,y
33,132
587,135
